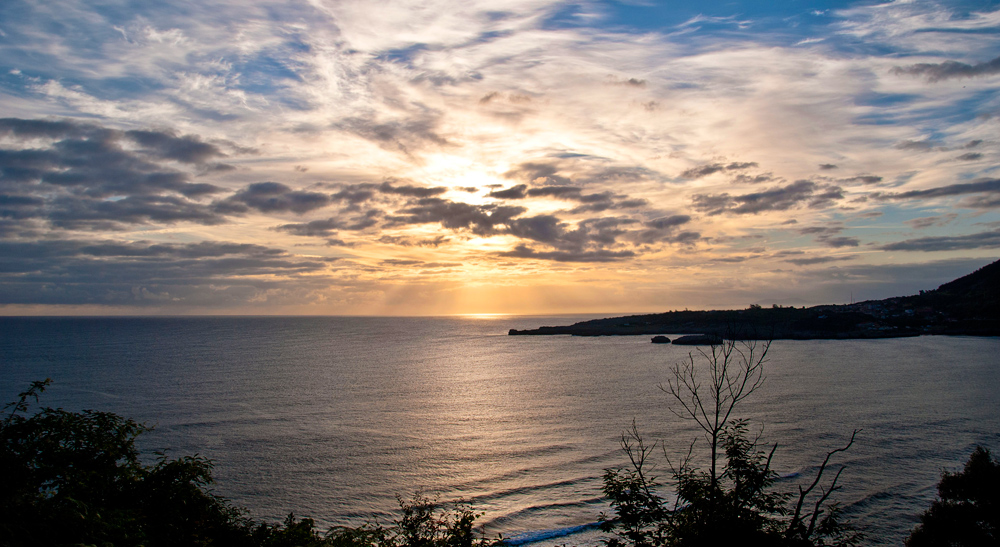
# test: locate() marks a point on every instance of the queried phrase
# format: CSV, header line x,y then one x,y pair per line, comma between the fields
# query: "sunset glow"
x,y
476,158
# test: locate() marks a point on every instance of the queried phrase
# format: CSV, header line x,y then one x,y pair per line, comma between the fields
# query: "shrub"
x,y
967,512
733,501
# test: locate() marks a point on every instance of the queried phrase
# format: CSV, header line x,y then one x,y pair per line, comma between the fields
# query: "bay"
x,y
333,417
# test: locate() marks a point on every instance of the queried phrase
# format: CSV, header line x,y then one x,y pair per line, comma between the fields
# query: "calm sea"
x,y
334,417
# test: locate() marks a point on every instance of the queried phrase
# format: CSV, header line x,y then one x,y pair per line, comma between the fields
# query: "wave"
x,y
525,538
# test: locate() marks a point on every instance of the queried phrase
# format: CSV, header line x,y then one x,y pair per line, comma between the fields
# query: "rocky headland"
x,y
969,305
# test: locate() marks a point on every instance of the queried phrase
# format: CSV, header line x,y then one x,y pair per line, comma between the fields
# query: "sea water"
x,y
334,417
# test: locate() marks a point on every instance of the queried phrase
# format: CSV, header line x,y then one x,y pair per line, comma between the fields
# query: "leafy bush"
x,y
967,512
74,478
733,501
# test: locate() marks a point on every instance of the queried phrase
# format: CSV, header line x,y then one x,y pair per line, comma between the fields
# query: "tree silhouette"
x,y
967,512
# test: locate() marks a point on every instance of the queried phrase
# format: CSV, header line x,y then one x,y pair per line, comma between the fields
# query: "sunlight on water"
x,y
334,417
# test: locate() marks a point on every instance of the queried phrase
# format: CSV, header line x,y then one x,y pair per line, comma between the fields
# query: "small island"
x,y
969,305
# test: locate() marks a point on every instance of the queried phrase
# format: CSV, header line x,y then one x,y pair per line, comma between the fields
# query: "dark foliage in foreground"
x,y
740,507
967,512
74,478
733,501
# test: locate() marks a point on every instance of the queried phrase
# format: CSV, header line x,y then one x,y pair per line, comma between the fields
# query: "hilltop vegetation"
x,y
969,305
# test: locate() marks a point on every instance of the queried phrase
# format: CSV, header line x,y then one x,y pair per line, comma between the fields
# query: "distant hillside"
x,y
976,294
969,305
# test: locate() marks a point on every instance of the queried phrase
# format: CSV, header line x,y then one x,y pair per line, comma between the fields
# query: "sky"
x,y
439,157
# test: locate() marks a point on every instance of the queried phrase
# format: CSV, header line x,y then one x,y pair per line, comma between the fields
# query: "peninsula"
x,y
969,305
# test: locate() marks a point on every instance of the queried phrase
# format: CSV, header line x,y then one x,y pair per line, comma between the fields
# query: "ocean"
x,y
334,417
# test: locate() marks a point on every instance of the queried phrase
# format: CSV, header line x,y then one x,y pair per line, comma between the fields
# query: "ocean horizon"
x,y
332,417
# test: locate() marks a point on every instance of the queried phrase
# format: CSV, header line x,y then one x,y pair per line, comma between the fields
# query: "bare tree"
x,y
709,393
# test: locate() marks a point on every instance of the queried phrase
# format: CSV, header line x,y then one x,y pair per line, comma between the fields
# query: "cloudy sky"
x,y
424,157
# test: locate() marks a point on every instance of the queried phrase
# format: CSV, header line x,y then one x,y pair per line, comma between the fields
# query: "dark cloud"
x,y
83,176
989,201
982,186
272,197
407,136
566,192
753,179
838,242
328,227
411,191
631,82
542,228
538,173
355,194
827,166
514,192
982,240
916,145
605,201
78,213
972,144
664,229
818,260
820,230
705,170
167,145
935,72
864,179
828,235
523,251
778,198
412,242
512,98
103,272
315,228
480,219
927,222
971,156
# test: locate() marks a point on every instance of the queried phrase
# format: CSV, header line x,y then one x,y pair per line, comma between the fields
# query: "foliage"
x,y
733,501
641,513
75,478
968,511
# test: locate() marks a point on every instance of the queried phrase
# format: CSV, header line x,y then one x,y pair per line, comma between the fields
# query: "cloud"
x,y
864,179
818,260
411,191
982,240
829,236
523,251
987,186
514,192
827,166
705,170
936,72
328,227
753,179
915,145
927,222
83,176
414,242
272,197
105,272
408,135
970,156
779,198
566,192
482,220
538,173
